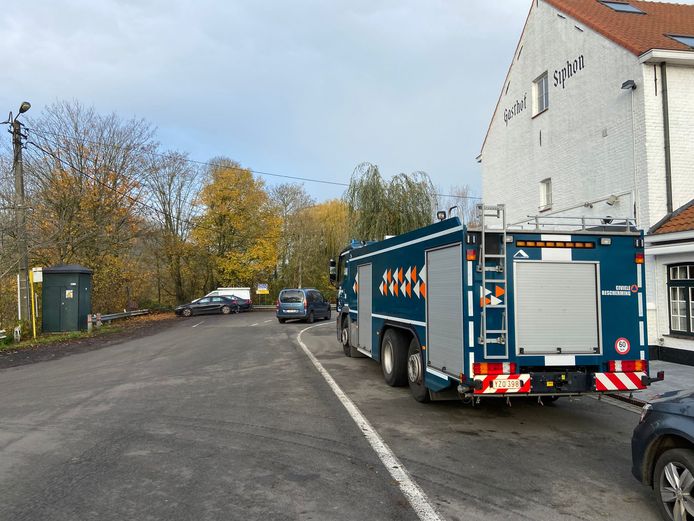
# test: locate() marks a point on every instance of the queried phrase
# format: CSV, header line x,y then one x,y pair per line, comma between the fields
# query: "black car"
x,y
243,304
662,448
223,305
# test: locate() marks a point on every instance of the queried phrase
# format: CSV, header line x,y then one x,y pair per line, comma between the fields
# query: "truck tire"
x,y
344,336
415,372
394,358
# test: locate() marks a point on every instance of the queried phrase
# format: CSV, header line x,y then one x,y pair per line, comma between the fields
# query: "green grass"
x,y
56,338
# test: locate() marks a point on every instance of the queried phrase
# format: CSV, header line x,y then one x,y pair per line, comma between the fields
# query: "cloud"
x,y
308,87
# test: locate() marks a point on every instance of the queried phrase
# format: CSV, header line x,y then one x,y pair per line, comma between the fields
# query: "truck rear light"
x,y
627,366
555,244
471,254
494,368
605,241
639,258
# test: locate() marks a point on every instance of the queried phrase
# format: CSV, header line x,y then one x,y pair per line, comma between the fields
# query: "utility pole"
x,y
20,214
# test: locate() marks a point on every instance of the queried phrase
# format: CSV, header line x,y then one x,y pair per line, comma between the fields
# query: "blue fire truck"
x,y
550,308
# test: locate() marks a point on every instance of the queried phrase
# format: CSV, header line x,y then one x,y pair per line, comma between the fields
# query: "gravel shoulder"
x,y
128,329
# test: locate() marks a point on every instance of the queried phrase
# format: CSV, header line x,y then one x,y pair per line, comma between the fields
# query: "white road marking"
x,y
196,325
254,324
414,494
266,321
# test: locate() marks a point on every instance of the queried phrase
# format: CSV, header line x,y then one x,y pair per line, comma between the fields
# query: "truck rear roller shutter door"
x,y
556,307
445,309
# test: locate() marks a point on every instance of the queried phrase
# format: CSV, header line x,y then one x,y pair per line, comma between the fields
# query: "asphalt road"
x,y
225,417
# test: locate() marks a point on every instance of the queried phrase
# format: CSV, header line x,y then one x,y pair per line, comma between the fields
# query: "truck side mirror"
x,y
333,271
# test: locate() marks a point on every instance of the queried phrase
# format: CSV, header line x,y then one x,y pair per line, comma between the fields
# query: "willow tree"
x,y
378,207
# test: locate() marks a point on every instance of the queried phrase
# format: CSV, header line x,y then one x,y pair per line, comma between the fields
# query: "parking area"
x,y
225,417
568,460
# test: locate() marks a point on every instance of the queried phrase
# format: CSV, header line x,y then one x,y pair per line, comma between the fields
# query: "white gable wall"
x,y
588,147
583,142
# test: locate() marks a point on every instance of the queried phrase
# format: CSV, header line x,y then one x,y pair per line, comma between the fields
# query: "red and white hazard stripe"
x,y
503,383
619,381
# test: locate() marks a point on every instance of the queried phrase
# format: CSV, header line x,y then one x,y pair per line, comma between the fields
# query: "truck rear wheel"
x,y
344,336
415,372
394,358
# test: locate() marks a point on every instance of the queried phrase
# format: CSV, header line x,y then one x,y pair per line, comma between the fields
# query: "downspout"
x,y
666,136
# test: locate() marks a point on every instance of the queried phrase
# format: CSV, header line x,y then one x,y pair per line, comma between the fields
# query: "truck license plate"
x,y
506,384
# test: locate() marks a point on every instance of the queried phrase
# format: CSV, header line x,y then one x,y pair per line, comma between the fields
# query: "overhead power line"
x,y
257,172
136,201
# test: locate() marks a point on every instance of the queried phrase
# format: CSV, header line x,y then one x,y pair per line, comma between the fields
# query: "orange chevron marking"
x,y
395,289
423,290
390,278
498,291
408,289
414,273
400,275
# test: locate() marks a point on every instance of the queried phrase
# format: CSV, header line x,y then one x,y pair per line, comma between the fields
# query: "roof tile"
x,y
681,220
638,33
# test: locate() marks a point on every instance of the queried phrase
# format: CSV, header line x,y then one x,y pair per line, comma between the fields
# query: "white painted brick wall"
x,y
582,163
588,147
658,315
681,101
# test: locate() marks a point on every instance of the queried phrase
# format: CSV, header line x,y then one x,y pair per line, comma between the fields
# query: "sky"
x,y
304,88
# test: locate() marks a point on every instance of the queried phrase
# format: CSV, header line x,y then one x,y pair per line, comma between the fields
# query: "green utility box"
x,y
66,298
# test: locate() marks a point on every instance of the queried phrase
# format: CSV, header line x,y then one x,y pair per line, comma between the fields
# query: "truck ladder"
x,y
497,214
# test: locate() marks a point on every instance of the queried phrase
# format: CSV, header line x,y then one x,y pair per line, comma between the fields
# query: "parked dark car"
x,y
204,305
243,304
662,449
305,304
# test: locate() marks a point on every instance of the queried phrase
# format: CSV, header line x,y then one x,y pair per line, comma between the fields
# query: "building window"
x,y
541,94
545,194
622,7
681,292
686,40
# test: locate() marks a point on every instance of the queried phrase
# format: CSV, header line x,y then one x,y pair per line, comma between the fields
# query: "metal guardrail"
x,y
272,307
116,316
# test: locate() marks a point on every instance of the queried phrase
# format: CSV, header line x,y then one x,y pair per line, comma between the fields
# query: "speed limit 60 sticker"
x,y
622,346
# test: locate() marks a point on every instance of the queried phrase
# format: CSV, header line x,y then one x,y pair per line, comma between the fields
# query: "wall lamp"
x,y
629,85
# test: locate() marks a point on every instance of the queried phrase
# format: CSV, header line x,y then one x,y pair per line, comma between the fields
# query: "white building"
x,y
596,118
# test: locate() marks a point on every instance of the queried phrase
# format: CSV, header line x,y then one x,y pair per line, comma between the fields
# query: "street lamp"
x,y
24,107
20,211
630,85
